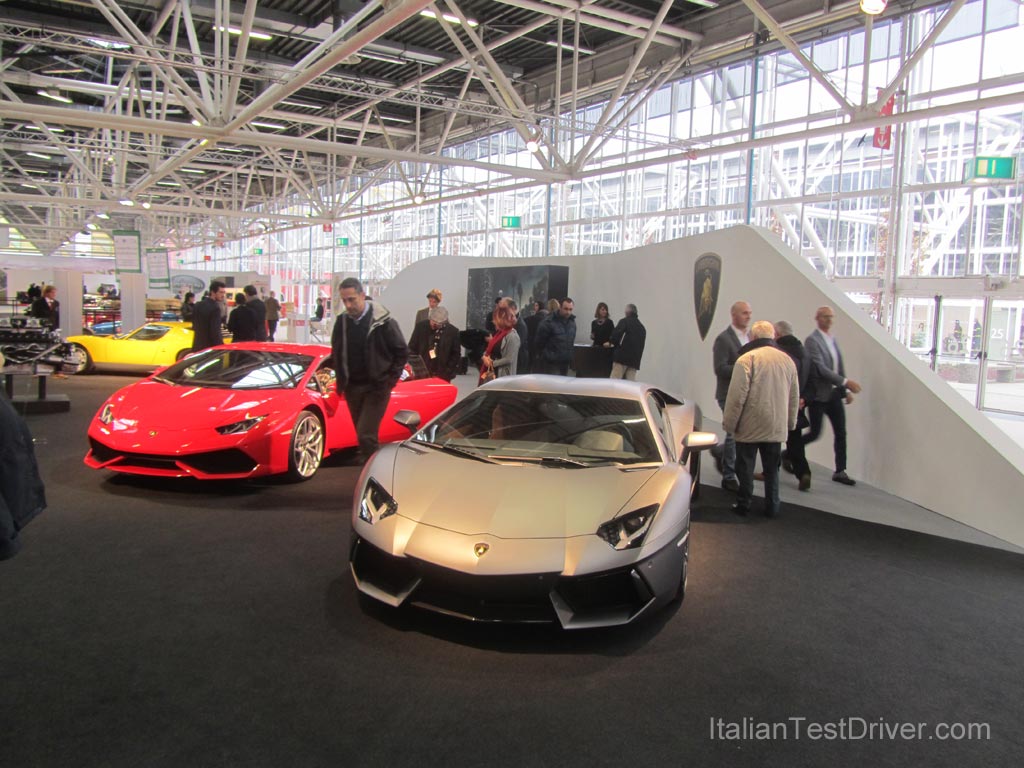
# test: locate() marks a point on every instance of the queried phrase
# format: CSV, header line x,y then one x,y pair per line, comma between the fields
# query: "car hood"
x,y
153,405
509,501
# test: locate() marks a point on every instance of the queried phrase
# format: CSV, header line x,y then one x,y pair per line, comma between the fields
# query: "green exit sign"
x,y
511,222
258,251
341,241
990,168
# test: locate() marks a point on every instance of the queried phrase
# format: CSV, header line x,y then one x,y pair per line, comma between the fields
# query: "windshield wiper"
x,y
162,380
469,454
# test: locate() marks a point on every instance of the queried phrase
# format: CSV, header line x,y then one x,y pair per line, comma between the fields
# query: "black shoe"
x,y
731,484
805,482
740,510
842,477
768,511
787,465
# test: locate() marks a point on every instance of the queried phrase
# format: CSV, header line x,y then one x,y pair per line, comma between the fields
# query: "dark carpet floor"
x,y
188,624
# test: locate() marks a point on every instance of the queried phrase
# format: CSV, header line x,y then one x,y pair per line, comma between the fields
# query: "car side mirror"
x,y
696,442
408,419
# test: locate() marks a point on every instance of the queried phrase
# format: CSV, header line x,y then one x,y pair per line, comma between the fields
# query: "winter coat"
x,y
556,337
386,350
761,405
629,338
22,495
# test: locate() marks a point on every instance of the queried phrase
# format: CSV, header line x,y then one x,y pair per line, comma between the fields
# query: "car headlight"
x,y
628,531
376,503
107,413
240,427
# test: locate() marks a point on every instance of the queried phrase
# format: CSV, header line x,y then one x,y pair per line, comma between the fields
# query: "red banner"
x,y
883,136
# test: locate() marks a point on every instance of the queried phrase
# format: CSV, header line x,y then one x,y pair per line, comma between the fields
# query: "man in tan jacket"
x,y
760,410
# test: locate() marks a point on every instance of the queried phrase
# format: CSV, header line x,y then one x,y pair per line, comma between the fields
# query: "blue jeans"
x,y
746,457
728,451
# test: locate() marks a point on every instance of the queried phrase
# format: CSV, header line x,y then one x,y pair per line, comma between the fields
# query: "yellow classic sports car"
x,y
150,346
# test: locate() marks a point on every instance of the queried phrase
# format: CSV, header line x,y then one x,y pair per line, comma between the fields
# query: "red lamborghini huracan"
x,y
242,411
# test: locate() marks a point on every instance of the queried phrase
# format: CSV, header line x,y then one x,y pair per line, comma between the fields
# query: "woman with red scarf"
x,y
503,348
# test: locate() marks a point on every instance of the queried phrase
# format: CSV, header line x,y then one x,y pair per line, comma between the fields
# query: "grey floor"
x,y
187,624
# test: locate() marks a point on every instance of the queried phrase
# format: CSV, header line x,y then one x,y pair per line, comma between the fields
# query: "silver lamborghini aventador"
x,y
534,499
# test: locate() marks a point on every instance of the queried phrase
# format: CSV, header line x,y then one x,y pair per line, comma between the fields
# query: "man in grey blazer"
x,y
829,388
724,353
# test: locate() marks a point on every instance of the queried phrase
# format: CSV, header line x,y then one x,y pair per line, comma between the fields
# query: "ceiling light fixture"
x,y
386,58
395,119
30,186
566,46
103,216
147,205
447,17
191,170
271,126
127,203
55,96
67,71
418,199
252,33
28,127
301,105
168,184
40,155
873,7
93,226
110,45
196,123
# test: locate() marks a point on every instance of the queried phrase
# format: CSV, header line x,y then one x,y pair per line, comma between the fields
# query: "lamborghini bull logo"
x,y
481,549
707,276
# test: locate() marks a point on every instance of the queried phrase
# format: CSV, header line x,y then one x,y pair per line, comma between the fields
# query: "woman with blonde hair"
x,y
502,351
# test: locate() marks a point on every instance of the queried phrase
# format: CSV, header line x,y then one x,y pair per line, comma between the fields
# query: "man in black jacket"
x,y
207,319
794,459
436,341
255,303
556,337
628,338
22,495
47,308
369,354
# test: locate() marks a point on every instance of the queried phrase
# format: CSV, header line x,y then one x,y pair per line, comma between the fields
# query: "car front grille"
x,y
520,598
228,462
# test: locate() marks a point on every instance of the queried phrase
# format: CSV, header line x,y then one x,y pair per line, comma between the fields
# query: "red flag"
x,y
883,136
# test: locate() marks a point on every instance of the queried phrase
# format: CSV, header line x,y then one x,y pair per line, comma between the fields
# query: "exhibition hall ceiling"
x,y
202,120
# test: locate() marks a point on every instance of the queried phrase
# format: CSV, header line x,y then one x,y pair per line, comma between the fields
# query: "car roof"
x,y
622,388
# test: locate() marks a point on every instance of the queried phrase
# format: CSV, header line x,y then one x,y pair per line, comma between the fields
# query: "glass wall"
x,y
851,208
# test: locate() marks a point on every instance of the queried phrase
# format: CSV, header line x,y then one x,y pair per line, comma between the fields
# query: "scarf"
x,y
495,341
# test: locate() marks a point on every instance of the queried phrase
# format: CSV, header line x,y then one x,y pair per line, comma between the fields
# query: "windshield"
x,y
238,369
557,430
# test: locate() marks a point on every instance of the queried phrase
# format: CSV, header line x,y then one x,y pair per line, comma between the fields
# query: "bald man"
x,y
724,353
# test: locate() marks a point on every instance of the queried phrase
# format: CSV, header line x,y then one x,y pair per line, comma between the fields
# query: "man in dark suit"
x,y
47,308
255,303
828,389
206,319
724,353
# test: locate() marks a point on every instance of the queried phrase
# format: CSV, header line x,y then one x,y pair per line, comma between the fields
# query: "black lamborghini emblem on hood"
x,y
707,276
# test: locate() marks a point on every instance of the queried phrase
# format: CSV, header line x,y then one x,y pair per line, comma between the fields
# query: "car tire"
x,y
82,360
182,354
681,588
306,450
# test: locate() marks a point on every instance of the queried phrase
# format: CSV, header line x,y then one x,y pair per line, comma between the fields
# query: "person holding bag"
x,y
504,343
